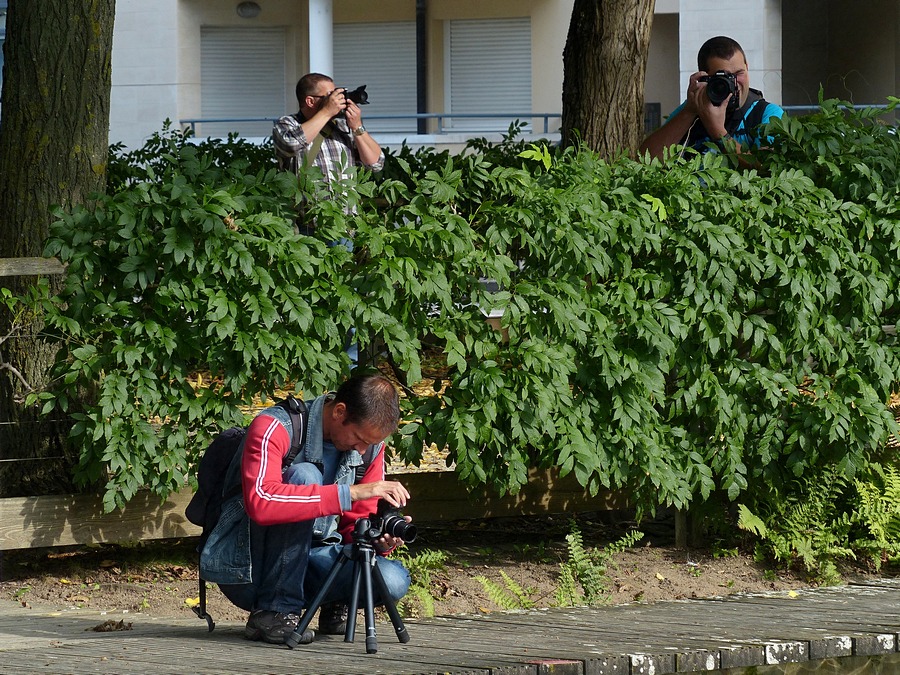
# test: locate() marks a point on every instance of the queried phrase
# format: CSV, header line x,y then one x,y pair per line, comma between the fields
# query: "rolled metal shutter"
x,y
242,74
489,65
381,56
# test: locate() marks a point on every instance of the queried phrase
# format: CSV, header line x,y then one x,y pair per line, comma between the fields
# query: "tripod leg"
x,y
371,640
391,608
294,638
354,600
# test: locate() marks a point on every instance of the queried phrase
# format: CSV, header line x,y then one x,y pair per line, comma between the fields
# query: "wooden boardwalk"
x,y
835,630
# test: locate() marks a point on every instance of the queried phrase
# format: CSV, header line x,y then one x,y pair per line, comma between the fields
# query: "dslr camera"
x,y
719,86
359,95
388,520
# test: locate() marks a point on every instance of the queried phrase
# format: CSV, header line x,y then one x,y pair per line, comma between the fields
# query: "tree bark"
x,y
54,136
604,63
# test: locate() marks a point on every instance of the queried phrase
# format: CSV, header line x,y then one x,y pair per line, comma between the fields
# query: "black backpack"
x,y
205,506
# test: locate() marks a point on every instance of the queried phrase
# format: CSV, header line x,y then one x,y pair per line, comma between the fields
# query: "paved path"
x,y
834,630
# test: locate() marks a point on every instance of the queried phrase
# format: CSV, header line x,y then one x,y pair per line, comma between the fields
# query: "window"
x,y
381,56
242,75
489,71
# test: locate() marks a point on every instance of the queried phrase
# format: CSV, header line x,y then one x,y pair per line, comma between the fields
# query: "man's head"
x,y
312,88
724,53
365,411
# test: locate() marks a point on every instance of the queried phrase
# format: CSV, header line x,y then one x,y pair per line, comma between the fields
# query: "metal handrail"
x,y
192,122
811,108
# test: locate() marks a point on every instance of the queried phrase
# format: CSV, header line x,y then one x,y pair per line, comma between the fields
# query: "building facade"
x,y
477,64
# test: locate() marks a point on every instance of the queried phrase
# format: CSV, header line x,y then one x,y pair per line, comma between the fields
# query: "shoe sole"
x,y
257,634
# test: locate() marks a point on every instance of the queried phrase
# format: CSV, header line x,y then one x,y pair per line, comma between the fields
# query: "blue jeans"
x,y
279,555
322,557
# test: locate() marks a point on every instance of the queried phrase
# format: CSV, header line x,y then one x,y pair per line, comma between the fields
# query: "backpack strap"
x,y
755,115
299,413
312,153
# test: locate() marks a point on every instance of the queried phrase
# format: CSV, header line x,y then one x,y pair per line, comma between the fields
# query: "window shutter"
x,y
242,74
489,70
381,56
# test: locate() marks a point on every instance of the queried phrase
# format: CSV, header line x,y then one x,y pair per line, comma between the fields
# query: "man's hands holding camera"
x,y
711,116
391,492
335,102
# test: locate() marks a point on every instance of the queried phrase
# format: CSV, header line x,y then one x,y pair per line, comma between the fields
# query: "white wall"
x,y
145,74
755,24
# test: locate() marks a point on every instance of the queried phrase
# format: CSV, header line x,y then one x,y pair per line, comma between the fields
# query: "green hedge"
x,y
674,330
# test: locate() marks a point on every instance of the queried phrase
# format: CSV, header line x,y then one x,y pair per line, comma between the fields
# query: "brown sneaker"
x,y
274,627
333,618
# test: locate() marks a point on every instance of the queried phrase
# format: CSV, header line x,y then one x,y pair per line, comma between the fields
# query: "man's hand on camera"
x,y
354,115
335,102
388,542
389,490
696,92
711,116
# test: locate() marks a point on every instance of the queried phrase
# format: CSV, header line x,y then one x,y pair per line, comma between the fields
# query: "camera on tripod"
x,y
367,577
719,86
388,520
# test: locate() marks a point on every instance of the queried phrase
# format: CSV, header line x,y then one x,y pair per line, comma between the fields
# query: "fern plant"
x,y
583,578
877,514
807,526
420,598
510,595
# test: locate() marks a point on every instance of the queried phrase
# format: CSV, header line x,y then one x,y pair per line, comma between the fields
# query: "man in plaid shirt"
x,y
320,135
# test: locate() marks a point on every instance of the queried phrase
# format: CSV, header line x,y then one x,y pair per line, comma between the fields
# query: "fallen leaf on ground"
x,y
110,625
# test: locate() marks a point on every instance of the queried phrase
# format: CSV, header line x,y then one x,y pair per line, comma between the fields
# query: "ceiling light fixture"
x,y
248,10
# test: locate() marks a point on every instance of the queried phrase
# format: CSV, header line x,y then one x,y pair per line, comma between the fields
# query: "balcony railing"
x,y
442,126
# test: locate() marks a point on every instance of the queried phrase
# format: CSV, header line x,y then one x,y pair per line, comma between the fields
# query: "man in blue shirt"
x,y
699,121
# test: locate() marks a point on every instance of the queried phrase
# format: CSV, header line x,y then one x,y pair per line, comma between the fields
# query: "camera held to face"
x,y
359,95
719,86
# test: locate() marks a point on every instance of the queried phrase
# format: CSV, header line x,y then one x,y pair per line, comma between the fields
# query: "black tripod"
x,y
362,553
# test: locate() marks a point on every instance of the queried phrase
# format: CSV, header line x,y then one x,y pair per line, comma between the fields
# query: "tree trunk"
x,y
604,62
54,136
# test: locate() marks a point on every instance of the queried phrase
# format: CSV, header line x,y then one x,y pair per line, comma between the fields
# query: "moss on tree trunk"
x,y
53,151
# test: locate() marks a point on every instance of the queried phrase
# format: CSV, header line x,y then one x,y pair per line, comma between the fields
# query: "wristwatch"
x,y
359,131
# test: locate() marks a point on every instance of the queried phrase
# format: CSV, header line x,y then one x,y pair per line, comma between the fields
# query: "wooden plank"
x,y
441,497
12,267
60,520
622,640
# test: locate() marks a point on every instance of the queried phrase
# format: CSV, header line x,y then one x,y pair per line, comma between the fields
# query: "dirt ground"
x,y
160,579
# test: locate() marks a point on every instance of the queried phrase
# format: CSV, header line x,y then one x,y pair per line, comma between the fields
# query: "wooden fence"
x,y
34,522
14,267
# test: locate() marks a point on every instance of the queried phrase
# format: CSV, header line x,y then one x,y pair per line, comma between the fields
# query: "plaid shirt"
x,y
338,144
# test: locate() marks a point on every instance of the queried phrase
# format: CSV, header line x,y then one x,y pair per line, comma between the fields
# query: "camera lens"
x,y
396,526
719,87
